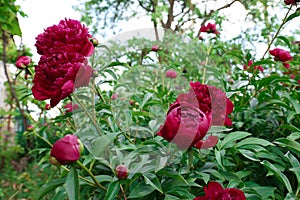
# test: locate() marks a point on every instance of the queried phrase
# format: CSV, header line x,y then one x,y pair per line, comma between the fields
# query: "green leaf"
x,y
294,103
285,40
112,190
295,164
173,174
292,145
141,190
48,187
254,141
171,197
227,142
263,62
270,79
278,174
248,154
102,142
72,184
153,181
292,16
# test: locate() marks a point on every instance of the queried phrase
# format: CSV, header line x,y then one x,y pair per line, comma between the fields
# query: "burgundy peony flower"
x,y
47,107
23,62
209,28
185,125
212,101
121,172
281,55
57,76
214,191
68,36
211,141
70,107
67,149
171,74
290,2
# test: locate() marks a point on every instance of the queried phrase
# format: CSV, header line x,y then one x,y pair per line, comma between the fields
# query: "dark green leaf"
x,y
48,187
228,141
278,174
112,190
72,184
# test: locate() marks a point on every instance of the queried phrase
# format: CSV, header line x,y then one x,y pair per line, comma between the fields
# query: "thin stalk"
x,y
277,32
91,175
88,114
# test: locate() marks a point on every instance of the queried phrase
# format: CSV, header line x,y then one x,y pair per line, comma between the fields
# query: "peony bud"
x,y
171,74
155,48
23,62
121,172
114,97
47,106
30,128
94,41
67,149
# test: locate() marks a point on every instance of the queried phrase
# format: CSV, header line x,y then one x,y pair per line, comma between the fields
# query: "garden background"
x,y
123,103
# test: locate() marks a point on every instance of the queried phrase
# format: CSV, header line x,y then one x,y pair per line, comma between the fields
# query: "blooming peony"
x,y
281,55
68,36
67,149
214,191
57,76
185,125
209,28
23,62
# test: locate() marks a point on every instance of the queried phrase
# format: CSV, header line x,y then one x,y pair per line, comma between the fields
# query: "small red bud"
x,y
122,172
30,128
114,97
94,41
47,106
155,48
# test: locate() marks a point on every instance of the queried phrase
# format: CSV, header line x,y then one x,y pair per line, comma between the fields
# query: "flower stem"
x,y
88,114
277,32
42,138
91,175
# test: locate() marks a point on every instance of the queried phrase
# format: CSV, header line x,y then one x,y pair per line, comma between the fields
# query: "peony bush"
x,y
181,116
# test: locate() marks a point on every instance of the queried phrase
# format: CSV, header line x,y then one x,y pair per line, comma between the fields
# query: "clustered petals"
x,y
215,191
209,28
281,55
63,65
192,114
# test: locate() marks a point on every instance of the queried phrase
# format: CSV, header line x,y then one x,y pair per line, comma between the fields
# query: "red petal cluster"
x,y
281,55
57,76
255,68
63,65
66,150
214,191
192,114
209,28
68,36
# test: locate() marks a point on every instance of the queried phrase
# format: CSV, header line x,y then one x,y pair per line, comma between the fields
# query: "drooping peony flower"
x,y
171,74
68,36
70,107
209,28
23,61
121,172
214,191
290,2
57,76
67,149
281,55
185,125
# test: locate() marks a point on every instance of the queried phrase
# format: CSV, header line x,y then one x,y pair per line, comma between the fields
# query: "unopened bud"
x,y
121,172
